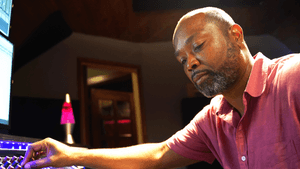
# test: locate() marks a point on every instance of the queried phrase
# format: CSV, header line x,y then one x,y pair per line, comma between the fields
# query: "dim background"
x,y
49,35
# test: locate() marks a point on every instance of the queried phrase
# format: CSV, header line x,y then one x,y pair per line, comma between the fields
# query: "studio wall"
x,y
54,73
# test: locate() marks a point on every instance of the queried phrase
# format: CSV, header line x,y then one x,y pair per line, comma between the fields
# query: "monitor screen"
x,y
5,15
6,58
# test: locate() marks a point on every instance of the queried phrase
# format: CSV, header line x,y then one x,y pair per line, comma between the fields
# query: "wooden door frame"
x,y
82,65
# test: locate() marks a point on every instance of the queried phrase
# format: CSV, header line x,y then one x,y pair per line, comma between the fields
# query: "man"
x,y
252,121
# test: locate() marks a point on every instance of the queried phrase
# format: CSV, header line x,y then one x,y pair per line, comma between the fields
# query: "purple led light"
x,y
13,145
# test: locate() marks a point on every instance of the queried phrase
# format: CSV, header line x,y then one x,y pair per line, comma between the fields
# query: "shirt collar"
x,y
258,77
223,107
256,84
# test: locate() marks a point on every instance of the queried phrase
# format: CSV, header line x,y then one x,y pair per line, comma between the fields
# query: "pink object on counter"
x,y
67,114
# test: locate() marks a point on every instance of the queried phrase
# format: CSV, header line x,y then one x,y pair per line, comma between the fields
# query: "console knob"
x,y
18,167
13,159
20,159
5,159
7,164
10,167
15,163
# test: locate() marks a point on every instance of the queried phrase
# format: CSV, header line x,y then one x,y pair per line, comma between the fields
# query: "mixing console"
x,y
12,151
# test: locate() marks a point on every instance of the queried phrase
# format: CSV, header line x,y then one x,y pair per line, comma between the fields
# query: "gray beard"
x,y
216,83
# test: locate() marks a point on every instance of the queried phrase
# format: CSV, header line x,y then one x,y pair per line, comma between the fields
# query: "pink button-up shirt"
x,y
268,134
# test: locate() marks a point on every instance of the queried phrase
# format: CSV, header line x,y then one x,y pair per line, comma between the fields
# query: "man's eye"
x,y
198,48
182,61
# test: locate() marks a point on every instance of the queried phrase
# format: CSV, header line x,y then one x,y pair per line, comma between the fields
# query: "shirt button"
x,y
243,158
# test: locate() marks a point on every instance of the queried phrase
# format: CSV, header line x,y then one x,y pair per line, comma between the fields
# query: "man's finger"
x,y
28,155
29,165
31,150
41,163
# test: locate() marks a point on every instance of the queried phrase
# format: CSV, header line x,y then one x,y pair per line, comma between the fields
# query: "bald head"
x,y
209,15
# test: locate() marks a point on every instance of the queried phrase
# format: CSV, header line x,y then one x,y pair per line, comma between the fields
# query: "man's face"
x,y
209,59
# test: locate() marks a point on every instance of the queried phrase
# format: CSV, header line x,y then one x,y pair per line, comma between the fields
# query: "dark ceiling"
x,y
129,19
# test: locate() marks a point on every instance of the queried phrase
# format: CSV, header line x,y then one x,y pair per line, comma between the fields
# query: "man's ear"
x,y
236,33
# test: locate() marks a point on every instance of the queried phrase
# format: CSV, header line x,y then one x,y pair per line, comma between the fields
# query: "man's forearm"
x,y
139,156
57,154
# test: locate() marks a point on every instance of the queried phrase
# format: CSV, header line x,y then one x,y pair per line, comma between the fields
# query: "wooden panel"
x,y
116,19
27,16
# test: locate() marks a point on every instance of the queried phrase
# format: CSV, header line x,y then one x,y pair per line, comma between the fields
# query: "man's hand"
x,y
47,152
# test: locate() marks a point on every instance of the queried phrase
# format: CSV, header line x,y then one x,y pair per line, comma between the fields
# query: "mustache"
x,y
195,72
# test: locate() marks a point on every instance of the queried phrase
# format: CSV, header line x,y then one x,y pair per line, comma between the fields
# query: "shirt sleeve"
x,y
288,81
189,143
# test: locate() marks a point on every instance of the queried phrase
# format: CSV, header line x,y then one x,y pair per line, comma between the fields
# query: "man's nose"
x,y
192,62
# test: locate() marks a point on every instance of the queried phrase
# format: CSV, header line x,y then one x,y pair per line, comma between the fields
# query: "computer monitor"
x,y
6,60
5,16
